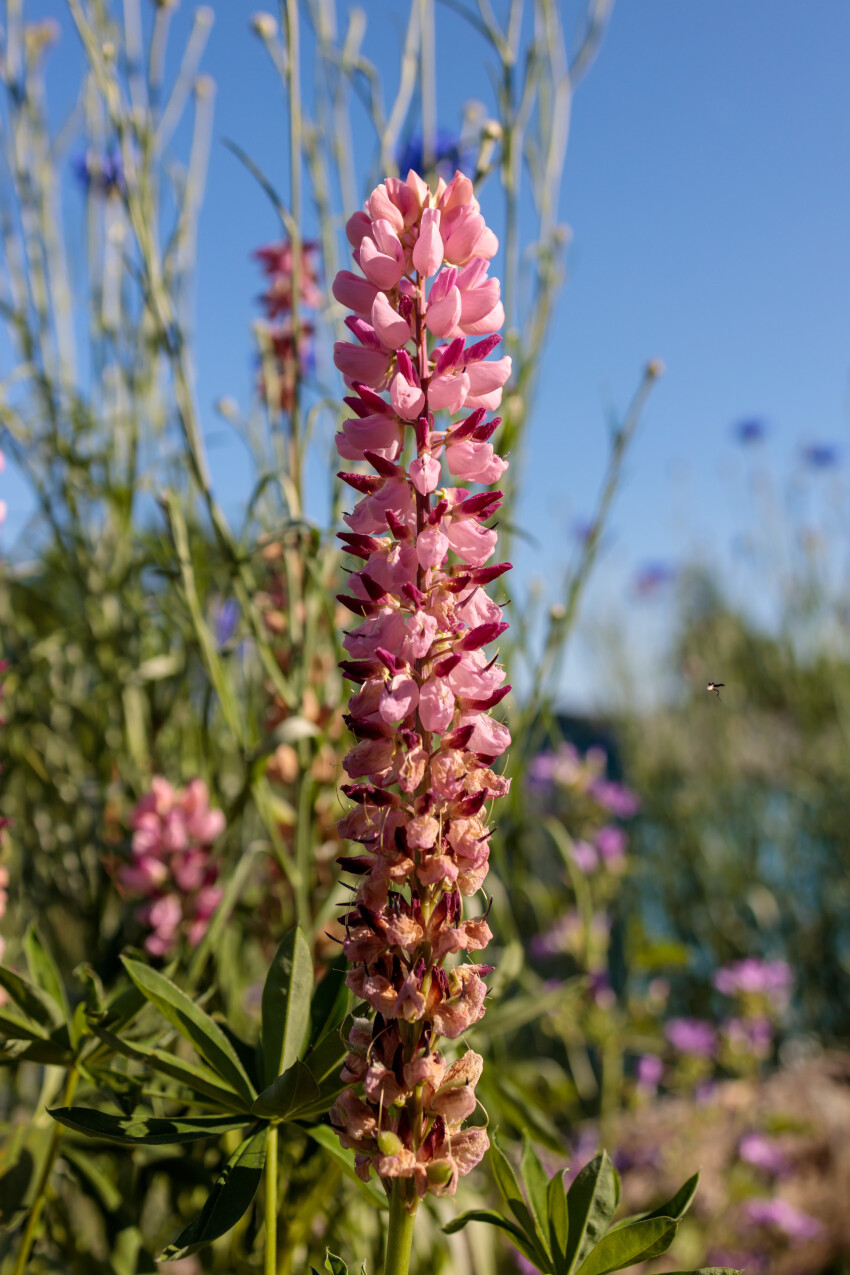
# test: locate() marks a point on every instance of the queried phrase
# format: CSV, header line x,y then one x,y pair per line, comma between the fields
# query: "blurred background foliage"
x,y
145,635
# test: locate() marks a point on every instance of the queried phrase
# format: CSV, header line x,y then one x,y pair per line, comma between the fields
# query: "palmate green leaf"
x,y
15,1027
492,1218
344,1157
285,1098
632,1244
37,1004
508,1184
229,1199
559,1226
193,1023
144,1130
286,1005
591,1202
194,1076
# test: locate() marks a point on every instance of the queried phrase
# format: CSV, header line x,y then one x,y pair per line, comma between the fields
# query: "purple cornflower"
x,y
749,1035
821,455
450,153
692,1036
100,174
750,430
781,1216
585,857
764,1153
225,618
652,577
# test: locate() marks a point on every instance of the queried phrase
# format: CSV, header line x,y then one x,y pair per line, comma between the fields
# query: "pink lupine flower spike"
x,y
427,679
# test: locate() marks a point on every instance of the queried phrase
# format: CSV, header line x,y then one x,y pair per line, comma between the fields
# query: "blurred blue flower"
x,y
750,430
100,174
582,529
821,455
652,577
225,616
451,154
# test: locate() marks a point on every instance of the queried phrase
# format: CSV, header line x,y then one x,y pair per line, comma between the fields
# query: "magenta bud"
x,y
464,429
358,407
484,432
361,546
481,349
414,595
449,356
400,529
482,504
358,865
357,605
459,738
358,670
389,660
480,636
491,701
373,400
485,575
405,366
421,432
443,667
368,484
385,467
371,586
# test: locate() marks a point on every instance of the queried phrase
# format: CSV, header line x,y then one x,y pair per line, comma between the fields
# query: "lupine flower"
x,y
291,366
616,798
421,767
171,867
779,1215
763,1153
752,1036
692,1036
756,977
751,430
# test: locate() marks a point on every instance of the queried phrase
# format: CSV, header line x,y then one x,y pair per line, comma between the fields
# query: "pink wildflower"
x,y
277,261
170,865
425,740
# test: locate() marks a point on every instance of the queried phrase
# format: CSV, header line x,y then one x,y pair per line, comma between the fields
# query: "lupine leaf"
x,y
147,1130
536,1185
288,1095
14,1184
334,1264
31,999
678,1205
286,1005
195,1076
193,1023
44,971
329,1005
630,1245
327,1057
14,1027
559,1227
229,1199
710,1270
344,1157
591,1201
518,1239
508,1184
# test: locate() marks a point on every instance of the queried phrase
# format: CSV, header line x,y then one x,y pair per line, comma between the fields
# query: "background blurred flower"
x,y
692,1036
750,430
100,173
821,455
784,1217
451,153
764,1153
653,577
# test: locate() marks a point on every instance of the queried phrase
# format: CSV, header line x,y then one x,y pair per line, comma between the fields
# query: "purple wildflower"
x,y
692,1036
764,1153
449,152
754,976
649,1071
616,798
100,174
585,857
611,843
779,1215
749,1036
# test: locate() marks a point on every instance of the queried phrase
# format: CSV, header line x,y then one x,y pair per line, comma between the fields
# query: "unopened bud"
x,y
389,1143
264,25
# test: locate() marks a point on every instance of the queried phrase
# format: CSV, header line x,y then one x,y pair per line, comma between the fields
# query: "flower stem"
x,y
44,1179
400,1237
270,1267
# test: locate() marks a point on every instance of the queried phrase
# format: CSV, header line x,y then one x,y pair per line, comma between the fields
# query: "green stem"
x,y
43,1180
270,1267
400,1237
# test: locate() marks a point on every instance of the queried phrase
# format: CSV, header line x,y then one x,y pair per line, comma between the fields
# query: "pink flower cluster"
x,y
421,766
277,261
171,867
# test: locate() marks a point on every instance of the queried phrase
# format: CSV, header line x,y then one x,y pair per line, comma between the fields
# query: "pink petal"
x,y
428,249
442,317
388,323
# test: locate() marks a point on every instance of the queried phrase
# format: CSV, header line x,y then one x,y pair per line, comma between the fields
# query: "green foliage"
x,y
572,1233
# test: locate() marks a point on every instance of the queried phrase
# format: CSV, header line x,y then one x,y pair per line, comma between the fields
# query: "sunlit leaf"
x,y
229,1199
286,1005
632,1244
147,1130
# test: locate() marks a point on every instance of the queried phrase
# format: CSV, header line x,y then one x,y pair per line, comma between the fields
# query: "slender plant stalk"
x,y
270,1267
43,1179
400,1236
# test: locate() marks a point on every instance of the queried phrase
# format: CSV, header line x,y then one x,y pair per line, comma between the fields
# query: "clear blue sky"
x,y
708,191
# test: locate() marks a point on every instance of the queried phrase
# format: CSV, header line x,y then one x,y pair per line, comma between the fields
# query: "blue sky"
x,y
708,192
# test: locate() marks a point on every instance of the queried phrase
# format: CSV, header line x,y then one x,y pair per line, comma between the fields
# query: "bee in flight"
x,y
715,686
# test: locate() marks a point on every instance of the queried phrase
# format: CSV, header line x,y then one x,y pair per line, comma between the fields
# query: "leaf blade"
x,y
230,1198
286,1000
